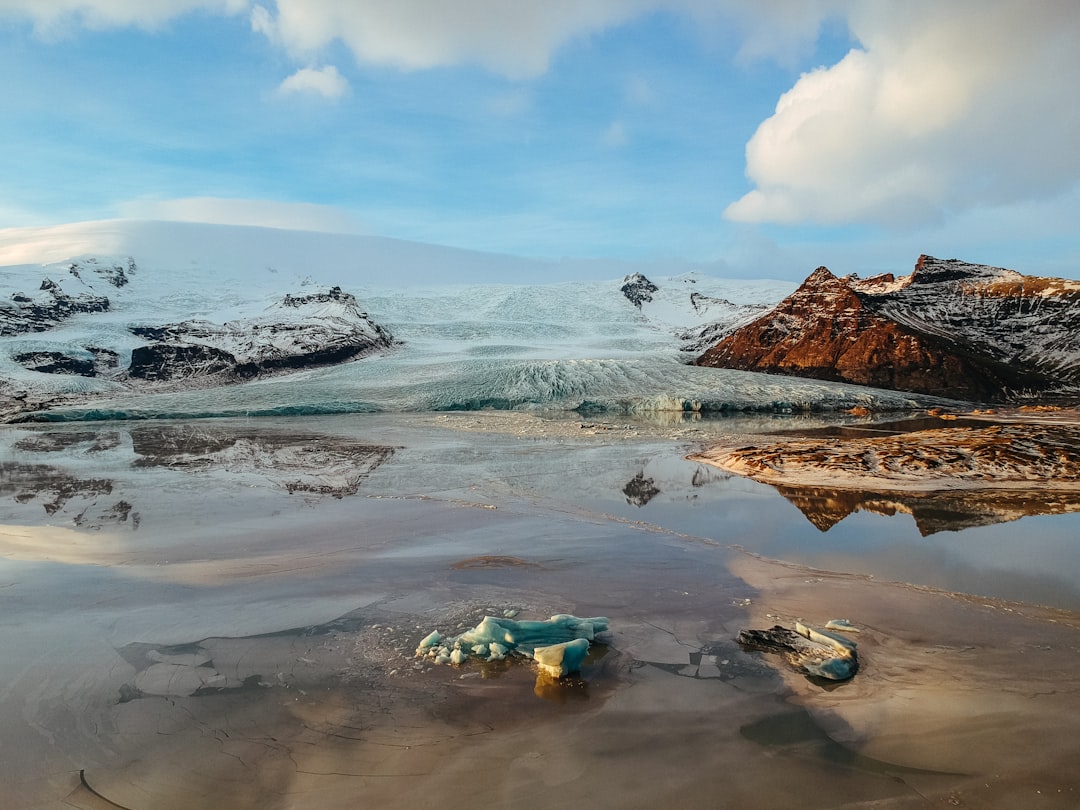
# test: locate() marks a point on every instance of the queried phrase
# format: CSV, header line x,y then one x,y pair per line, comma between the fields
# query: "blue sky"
x,y
756,138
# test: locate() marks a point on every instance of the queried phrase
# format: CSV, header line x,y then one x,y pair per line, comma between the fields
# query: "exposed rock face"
x,y
300,332
638,289
24,313
49,362
949,329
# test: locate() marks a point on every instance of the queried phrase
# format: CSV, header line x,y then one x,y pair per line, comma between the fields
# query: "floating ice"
x,y
559,644
812,652
559,660
841,624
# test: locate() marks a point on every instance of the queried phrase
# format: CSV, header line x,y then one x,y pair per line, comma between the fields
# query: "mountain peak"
x,y
950,329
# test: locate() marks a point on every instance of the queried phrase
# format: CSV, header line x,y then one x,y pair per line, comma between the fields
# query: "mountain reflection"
x,y
49,480
639,490
935,511
299,462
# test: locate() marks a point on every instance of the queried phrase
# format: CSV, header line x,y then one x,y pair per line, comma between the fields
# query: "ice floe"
x,y
558,645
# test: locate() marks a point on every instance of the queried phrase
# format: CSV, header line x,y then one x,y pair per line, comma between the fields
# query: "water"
x,y
221,612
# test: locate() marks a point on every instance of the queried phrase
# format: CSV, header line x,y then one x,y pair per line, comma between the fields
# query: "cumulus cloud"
x,y
325,81
262,213
944,107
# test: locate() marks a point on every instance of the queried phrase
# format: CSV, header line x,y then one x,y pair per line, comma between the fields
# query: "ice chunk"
x,y
841,624
430,640
559,660
810,651
567,638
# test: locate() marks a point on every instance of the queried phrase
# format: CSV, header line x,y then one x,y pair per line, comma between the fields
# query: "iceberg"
x,y
558,645
559,660
816,653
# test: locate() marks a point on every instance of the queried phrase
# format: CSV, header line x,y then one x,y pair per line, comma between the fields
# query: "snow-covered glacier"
x,y
463,331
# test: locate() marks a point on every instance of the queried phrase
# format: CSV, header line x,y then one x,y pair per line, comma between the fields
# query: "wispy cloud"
x,y
62,17
262,213
325,81
614,135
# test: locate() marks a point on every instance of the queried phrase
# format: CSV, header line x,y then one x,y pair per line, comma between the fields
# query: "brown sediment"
x,y
493,561
950,683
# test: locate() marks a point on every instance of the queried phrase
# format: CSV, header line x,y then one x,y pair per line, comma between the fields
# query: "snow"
x,y
467,339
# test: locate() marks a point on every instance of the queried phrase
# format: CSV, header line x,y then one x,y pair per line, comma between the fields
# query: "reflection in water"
x,y
297,462
639,490
89,501
300,462
935,511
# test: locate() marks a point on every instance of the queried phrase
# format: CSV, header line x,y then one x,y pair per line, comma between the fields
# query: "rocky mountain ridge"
x,y
68,338
950,329
301,331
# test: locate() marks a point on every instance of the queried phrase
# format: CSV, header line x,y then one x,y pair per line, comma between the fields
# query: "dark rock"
x,y
638,289
304,331
39,313
104,359
166,361
55,363
639,490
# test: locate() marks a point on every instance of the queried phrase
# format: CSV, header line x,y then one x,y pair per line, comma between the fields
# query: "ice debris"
x,y
813,652
558,645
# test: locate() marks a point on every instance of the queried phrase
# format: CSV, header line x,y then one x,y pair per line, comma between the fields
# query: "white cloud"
x,y
945,107
508,37
515,38
325,81
261,213
53,17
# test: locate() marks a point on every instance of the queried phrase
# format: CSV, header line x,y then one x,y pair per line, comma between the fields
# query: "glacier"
x,y
462,341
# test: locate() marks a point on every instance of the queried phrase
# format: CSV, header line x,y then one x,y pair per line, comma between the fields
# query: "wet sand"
x,y
249,645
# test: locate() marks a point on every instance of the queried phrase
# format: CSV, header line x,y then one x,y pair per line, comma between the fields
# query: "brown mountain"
x,y
949,329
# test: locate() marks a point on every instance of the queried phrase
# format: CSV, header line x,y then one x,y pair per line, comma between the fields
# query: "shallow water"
x,y
223,613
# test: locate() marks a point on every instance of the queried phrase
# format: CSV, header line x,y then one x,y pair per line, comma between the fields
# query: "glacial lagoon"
x,y
225,612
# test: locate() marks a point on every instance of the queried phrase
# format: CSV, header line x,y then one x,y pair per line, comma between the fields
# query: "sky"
x,y
751,138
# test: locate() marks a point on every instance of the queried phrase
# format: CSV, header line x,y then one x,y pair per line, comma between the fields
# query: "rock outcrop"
x,y
949,329
638,289
305,331
45,308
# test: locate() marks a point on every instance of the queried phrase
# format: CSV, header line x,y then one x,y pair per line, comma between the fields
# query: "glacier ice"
x,y
558,645
559,660
816,653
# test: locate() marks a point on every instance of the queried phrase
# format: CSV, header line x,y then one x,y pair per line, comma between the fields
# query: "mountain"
x,y
950,329
697,309
181,320
102,319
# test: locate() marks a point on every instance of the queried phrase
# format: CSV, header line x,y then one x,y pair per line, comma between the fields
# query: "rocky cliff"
x,y
949,329
317,329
